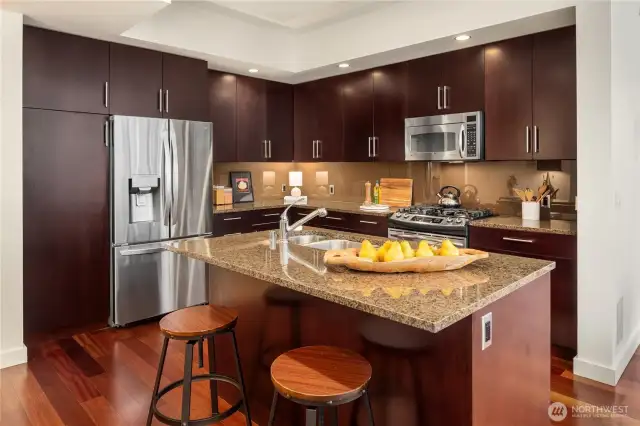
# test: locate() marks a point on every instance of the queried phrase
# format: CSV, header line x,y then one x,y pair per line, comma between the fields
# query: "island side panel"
x,y
515,368
431,382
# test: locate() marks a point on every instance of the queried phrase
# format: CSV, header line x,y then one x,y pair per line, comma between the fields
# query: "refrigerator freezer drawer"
x,y
150,281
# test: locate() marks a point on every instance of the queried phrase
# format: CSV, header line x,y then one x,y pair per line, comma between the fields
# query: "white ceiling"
x,y
296,41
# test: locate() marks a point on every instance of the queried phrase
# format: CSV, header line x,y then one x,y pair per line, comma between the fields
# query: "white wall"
x,y
12,349
608,171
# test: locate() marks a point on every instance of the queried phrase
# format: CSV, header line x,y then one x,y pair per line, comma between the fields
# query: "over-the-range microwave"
x,y
451,137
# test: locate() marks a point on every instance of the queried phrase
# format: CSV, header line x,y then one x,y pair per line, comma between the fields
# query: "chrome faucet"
x,y
284,221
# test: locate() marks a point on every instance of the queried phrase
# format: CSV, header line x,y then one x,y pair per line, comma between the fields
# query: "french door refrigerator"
x,y
160,192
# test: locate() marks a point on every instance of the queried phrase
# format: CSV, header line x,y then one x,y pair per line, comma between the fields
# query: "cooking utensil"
x,y
529,194
520,193
449,199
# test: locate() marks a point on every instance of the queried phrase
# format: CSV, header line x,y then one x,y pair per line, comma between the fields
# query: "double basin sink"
x,y
322,243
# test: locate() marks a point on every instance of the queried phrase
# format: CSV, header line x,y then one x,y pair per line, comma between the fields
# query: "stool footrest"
x,y
204,421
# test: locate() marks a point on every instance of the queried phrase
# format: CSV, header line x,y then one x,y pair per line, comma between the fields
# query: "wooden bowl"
x,y
350,259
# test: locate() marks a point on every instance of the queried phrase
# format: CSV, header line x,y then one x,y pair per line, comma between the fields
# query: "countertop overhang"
x,y
431,301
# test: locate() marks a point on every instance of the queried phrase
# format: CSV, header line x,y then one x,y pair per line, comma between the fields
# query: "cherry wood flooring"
x,y
105,378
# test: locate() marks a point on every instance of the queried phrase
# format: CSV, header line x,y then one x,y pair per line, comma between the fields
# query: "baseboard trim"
x,y
627,353
13,356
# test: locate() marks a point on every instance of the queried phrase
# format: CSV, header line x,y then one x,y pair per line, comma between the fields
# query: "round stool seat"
x,y
320,374
197,321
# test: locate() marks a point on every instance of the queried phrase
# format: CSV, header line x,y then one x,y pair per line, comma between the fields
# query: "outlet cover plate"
x,y
332,189
284,188
487,330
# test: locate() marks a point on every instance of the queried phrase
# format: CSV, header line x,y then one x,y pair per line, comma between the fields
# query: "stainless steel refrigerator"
x,y
160,192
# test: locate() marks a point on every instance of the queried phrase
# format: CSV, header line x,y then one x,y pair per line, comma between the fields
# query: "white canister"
x,y
530,210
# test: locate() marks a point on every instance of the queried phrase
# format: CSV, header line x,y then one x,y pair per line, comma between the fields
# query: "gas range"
x,y
436,219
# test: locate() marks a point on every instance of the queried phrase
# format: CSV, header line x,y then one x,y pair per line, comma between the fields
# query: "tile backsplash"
x,y
481,183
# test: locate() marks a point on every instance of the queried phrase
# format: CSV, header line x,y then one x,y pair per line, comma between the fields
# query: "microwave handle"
x,y
462,146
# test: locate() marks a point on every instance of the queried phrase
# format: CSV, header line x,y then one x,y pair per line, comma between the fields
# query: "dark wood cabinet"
x,y
265,120
390,110
222,113
184,81
554,94
318,120
344,221
530,105
246,221
561,249
66,221
357,106
135,81
65,72
447,83
508,100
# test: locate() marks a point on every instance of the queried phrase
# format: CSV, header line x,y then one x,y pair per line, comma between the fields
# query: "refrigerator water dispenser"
x,y
142,202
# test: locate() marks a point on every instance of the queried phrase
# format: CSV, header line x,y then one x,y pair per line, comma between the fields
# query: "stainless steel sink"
x,y
303,240
333,245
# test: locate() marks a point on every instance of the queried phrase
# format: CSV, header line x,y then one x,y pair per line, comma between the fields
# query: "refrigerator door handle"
x,y
174,173
167,179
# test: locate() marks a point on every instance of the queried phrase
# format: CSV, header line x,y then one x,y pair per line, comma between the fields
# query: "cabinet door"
x,y
66,255
554,94
508,103
424,80
135,81
252,119
463,80
222,110
64,72
304,122
280,121
357,107
389,111
327,103
184,81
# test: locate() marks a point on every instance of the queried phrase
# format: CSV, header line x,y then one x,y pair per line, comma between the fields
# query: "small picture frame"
x,y
242,187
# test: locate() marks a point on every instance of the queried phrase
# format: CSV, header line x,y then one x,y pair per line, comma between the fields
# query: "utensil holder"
x,y
530,210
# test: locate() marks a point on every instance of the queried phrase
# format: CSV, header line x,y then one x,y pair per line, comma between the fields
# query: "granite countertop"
x,y
338,206
431,301
553,226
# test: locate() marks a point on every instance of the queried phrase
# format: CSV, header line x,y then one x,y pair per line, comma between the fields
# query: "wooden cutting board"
x,y
396,192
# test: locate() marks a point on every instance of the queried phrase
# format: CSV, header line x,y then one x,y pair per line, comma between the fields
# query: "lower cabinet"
x,y
561,249
342,221
246,221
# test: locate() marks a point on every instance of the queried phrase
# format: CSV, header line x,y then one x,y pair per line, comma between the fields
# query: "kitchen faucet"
x,y
284,221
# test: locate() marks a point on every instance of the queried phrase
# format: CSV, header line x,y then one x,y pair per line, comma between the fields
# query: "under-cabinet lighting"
x,y
463,37
343,65
253,70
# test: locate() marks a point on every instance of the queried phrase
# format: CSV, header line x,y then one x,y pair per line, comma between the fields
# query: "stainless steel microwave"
x,y
451,137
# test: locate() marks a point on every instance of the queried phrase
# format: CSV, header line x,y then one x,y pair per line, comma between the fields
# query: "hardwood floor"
x,y
105,378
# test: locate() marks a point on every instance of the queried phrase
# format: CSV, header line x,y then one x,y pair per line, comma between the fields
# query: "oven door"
x,y
433,239
439,142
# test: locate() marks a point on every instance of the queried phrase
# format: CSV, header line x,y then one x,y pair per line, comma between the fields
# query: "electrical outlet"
x,y
487,330
332,189
284,188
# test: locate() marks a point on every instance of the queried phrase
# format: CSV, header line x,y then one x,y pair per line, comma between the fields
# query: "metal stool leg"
x,y
272,413
186,386
369,408
213,384
163,354
241,378
310,417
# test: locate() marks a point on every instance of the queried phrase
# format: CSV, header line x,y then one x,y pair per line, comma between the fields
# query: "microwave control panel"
x,y
472,149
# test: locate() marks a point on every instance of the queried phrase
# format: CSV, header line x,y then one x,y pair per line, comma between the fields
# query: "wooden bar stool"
x,y
194,325
320,377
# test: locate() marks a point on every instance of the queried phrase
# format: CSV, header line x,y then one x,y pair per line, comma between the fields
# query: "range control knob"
x,y
449,219
406,216
459,220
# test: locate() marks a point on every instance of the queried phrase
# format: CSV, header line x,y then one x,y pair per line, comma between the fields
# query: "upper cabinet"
x,y
65,72
448,83
184,81
374,109
265,120
318,120
222,113
135,81
530,108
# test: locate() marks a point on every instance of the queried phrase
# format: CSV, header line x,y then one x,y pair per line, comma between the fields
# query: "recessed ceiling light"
x,y
463,37
344,65
253,70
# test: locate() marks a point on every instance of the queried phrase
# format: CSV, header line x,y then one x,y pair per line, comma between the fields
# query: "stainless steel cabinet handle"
x,y
370,155
439,97
106,94
269,148
134,252
368,222
264,223
446,96
166,101
160,100
319,149
333,218
376,142
313,150
233,233
302,214
536,142
517,240
264,151
106,133
232,218
271,214
527,139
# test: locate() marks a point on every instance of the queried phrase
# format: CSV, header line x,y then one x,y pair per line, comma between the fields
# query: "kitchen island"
x,y
422,333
